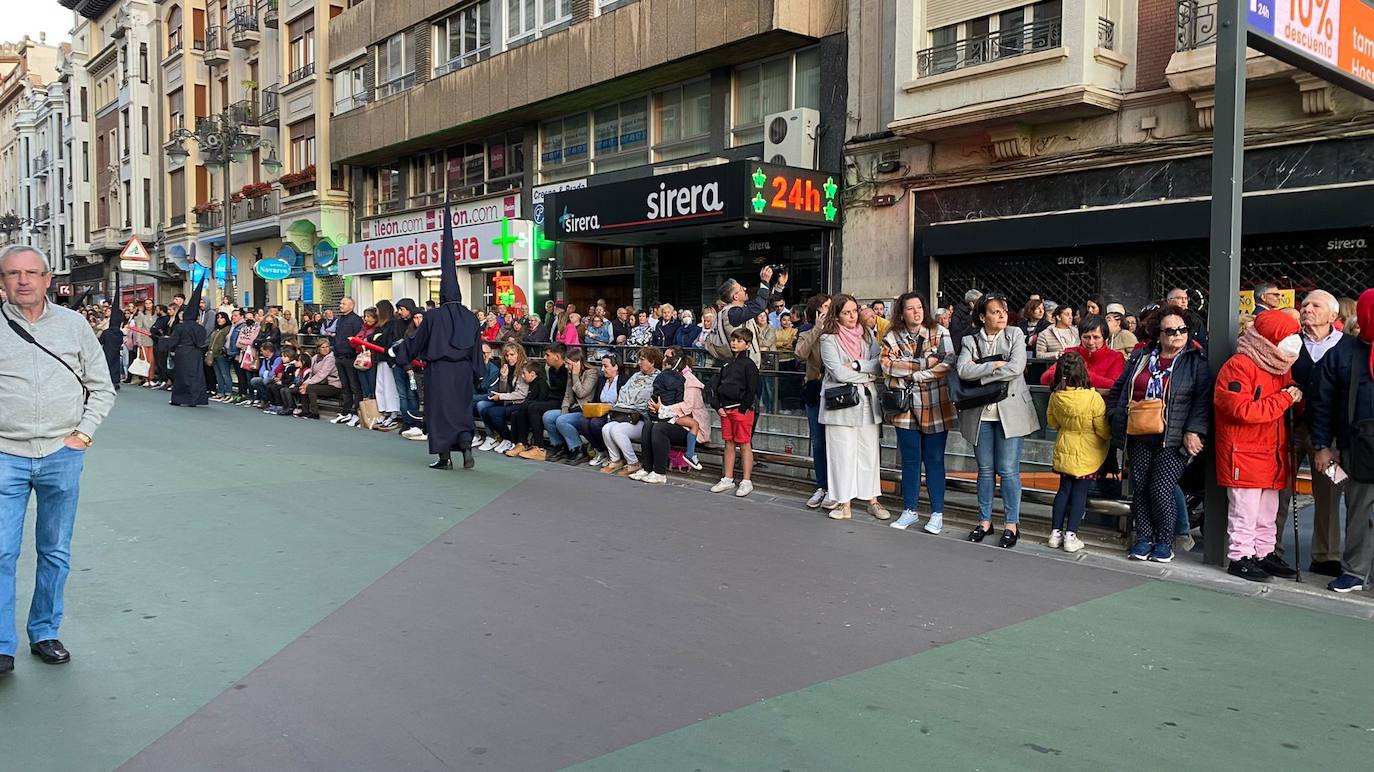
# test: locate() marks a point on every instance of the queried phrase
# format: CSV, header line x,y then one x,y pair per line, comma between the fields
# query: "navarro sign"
x,y
272,269
484,244
740,190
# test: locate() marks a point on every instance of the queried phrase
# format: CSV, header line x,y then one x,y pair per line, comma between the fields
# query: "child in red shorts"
x,y
733,393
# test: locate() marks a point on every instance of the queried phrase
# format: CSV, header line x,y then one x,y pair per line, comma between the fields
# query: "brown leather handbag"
x,y
1145,417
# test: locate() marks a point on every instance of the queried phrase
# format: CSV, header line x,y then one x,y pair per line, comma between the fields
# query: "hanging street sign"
x,y
1332,39
134,256
272,268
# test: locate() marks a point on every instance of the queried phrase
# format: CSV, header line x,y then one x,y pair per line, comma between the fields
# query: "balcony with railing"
x,y
352,101
1197,25
271,103
245,210
216,46
1041,35
42,214
1192,68
269,13
300,73
42,163
1004,79
245,112
245,32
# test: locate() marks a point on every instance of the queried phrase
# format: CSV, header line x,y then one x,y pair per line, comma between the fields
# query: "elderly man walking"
x,y
55,390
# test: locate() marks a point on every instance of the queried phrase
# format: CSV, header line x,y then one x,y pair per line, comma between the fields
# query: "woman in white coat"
x,y
849,356
993,353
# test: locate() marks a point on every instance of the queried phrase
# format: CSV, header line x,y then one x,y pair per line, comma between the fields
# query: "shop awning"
x,y
730,199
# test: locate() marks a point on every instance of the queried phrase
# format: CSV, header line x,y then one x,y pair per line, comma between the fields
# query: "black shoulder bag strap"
x,y
23,333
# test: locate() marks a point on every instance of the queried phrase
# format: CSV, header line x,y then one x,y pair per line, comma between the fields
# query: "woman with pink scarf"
x,y
849,356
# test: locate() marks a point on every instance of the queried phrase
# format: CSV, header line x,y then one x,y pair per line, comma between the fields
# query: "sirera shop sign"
x,y
740,190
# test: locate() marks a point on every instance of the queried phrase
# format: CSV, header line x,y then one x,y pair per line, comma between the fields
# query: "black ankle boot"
x,y
468,463
445,462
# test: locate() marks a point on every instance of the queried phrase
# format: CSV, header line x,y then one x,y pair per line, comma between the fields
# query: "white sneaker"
x,y
829,503
597,460
816,498
1072,543
421,437
340,418
745,488
489,443
504,446
352,420
909,518
1056,539
640,475
725,484
654,478
935,522
412,432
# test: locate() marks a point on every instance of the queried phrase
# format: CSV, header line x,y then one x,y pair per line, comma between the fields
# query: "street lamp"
x,y
223,142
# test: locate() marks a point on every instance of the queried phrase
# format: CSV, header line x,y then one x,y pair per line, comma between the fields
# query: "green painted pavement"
x,y
1157,677
207,540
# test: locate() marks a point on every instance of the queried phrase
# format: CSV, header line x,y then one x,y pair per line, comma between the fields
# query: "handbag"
x,y
596,409
368,415
1145,417
967,394
248,360
841,397
139,367
626,415
363,360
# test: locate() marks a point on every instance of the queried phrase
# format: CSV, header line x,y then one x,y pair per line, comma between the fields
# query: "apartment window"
x,y
83,103
1010,33
682,121
175,119
86,220
772,87
393,75
505,161
621,132
128,203
467,170
350,89
147,203
563,149
143,62
554,12
303,144
520,18
174,29
124,121
144,130
464,37
385,189
85,162
302,36
427,179
176,181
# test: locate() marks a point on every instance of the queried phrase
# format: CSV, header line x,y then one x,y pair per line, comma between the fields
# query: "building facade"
x,y
590,149
261,65
28,72
1064,148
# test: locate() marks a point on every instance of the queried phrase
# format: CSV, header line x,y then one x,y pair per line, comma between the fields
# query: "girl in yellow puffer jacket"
x,y
1079,414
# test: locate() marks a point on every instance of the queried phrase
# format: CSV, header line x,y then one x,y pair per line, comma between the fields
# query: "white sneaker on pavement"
x,y
1056,539
724,485
654,478
489,443
745,488
640,475
340,418
816,498
934,523
909,518
504,446
597,460
1072,543
829,503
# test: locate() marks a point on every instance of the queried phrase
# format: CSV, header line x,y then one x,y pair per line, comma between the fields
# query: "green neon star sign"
x,y
830,189
760,179
830,211
507,240
759,203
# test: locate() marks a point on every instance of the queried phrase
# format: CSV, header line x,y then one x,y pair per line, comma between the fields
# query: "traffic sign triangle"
x,y
134,250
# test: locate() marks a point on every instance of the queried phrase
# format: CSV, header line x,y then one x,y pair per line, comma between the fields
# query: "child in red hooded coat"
x,y
1252,393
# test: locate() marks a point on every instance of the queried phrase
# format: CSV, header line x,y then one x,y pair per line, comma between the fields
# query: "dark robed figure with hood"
x,y
187,342
448,342
112,340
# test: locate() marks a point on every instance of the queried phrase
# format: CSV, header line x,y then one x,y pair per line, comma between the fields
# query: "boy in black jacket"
x,y
734,391
554,385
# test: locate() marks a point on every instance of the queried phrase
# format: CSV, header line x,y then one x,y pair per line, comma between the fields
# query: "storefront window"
x,y
773,87
682,121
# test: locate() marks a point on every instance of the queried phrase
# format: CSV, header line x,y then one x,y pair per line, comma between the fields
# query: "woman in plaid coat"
x,y
917,355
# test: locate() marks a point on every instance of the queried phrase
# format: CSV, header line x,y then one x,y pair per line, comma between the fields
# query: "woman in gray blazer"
x,y
996,352
849,356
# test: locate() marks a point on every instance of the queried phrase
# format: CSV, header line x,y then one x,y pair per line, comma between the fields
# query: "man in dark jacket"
x,y
737,312
348,325
961,322
1337,423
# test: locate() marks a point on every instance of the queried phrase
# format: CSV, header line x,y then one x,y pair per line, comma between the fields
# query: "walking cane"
x,y
1293,498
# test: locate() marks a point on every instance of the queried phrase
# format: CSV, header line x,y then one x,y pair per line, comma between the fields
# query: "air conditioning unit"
x,y
789,138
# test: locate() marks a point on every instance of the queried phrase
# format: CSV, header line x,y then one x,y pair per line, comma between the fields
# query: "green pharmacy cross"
x,y
759,202
830,190
540,242
507,240
760,179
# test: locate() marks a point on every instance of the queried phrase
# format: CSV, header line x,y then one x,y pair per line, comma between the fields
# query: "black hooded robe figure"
x,y
449,344
188,342
112,340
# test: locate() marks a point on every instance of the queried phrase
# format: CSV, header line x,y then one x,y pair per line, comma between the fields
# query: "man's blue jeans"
x,y
563,428
998,456
56,479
